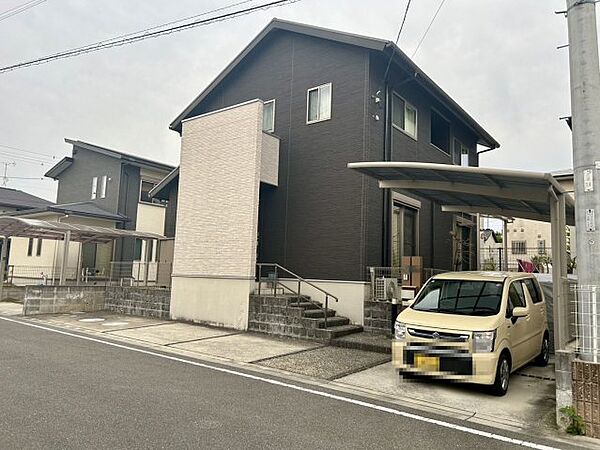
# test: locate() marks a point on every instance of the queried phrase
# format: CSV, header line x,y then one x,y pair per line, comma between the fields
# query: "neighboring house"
x,y
104,187
491,250
330,98
12,200
529,239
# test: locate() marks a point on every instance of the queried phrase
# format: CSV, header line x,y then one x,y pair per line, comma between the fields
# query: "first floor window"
x,y
269,116
38,251
318,103
137,252
30,247
541,244
519,247
404,116
404,233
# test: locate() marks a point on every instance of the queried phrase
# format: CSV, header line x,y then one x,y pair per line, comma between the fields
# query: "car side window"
x,y
534,290
516,297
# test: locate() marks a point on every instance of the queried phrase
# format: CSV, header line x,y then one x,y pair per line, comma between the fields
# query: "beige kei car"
x,y
473,326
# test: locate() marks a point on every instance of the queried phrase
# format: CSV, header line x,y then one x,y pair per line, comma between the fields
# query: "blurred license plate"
x,y
427,363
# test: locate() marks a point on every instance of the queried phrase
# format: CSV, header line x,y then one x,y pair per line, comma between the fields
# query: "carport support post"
x,y
559,271
505,243
65,258
3,264
147,262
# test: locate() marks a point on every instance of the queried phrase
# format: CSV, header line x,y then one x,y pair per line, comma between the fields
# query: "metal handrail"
x,y
300,280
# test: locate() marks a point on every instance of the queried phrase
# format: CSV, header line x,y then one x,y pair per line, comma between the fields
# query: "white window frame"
x,y
103,183
318,89
94,188
272,129
411,106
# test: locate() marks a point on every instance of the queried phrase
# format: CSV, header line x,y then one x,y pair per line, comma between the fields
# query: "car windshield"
x,y
473,298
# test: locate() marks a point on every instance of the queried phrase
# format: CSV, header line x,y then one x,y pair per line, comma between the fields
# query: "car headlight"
x,y
400,330
483,341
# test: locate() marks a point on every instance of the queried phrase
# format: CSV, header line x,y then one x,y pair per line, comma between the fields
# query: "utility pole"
x,y
585,110
5,177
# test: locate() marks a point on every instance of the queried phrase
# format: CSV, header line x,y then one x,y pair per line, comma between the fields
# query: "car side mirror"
x,y
519,311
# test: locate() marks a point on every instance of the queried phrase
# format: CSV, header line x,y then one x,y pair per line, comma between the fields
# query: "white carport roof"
x,y
21,227
500,192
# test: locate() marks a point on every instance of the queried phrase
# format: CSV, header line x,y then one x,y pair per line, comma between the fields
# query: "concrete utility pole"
x,y
585,109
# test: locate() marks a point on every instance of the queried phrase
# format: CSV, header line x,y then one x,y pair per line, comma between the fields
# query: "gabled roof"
x,y
487,233
381,45
64,163
160,191
14,198
82,209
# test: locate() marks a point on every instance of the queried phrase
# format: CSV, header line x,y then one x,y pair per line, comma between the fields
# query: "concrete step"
x,y
316,313
304,305
320,322
338,331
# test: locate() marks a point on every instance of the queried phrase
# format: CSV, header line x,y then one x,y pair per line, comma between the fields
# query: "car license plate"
x,y
427,363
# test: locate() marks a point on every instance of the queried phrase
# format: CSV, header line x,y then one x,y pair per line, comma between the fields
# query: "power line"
x,y
387,69
19,9
145,35
428,28
51,157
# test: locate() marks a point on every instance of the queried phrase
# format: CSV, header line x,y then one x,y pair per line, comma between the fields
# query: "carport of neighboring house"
x,y
67,233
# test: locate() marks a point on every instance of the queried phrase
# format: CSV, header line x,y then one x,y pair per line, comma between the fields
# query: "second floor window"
x,y
440,132
146,187
404,116
94,188
103,183
318,103
269,116
460,155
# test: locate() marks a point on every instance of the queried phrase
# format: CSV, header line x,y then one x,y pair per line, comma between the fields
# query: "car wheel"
x,y
544,356
500,385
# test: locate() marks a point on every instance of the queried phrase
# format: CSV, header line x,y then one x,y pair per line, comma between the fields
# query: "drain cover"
x,y
92,319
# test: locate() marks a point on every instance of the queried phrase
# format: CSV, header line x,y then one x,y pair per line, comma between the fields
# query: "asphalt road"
x,y
64,392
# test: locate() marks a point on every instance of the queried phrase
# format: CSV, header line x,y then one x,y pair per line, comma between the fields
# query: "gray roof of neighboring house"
x,y
381,45
161,190
64,163
14,198
487,233
82,209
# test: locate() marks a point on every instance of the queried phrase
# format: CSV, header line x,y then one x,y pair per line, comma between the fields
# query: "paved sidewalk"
x,y
528,406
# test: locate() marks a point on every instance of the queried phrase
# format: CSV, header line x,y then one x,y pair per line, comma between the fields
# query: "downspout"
x,y
387,156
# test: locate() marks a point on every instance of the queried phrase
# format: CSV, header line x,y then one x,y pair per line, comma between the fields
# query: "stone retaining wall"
x,y
139,301
62,299
378,317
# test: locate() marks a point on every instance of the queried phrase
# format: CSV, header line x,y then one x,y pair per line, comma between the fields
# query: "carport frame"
x,y
539,195
66,232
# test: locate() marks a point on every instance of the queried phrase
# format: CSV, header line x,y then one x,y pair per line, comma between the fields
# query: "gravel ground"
x,y
327,362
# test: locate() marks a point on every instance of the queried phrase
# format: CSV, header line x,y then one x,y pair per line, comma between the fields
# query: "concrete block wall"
x,y
13,293
62,299
273,315
145,302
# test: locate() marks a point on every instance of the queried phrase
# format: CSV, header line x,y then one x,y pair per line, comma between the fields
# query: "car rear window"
x,y
464,297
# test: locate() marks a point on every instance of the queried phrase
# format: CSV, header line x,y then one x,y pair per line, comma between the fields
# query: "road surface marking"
x,y
385,409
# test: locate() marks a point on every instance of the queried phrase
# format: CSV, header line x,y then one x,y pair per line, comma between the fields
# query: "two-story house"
x,y
330,98
102,187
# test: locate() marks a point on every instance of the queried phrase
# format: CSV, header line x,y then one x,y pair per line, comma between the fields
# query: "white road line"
x,y
441,423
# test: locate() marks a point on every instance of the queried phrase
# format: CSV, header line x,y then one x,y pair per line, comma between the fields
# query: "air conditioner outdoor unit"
x,y
386,289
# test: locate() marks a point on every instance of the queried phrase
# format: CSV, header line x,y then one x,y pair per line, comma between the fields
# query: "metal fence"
x,y
519,259
586,320
134,273
387,282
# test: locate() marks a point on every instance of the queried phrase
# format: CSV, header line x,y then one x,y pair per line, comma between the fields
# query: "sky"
x,y
497,58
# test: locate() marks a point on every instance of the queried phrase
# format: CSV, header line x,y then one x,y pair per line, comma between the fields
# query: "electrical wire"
x,y
19,9
428,28
387,69
27,151
146,35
